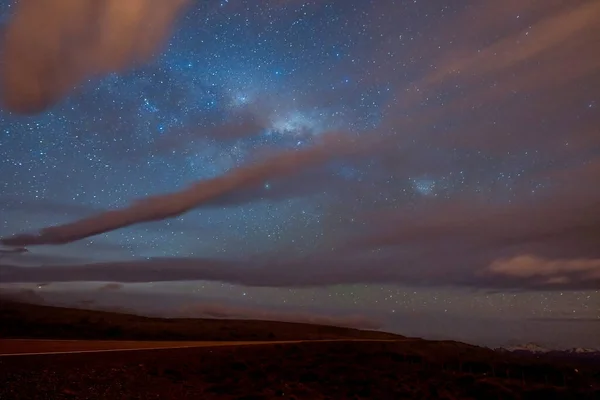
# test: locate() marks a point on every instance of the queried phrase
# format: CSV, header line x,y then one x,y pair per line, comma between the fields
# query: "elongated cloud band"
x,y
51,46
202,193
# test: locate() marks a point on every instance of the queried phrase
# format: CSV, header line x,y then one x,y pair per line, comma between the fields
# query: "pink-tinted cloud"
x,y
550,271
549,34
510,63
111,286
435,242
51,46
241,124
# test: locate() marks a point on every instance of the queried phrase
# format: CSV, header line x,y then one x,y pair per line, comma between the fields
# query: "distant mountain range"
x,y
588,356
535,348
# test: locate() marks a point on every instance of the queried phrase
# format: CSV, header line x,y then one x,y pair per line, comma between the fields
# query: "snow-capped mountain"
x,y
533,348
581,350
530,347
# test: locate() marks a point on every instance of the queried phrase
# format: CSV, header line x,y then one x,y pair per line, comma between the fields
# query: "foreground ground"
x,y
217,362
309,370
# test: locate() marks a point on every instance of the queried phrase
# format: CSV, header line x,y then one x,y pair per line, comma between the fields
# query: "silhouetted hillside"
x,y
402,368
19,320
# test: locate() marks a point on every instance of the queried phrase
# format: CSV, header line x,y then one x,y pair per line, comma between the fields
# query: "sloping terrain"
x,y
19,320
387,367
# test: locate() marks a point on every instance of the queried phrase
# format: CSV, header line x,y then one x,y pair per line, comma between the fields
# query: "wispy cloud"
x,y
111,286
552,34
514,57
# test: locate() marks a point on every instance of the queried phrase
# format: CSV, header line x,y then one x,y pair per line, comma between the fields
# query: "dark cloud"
x,y
549,242
307,182
553,32
13,250
567,210
52,46
111,286
494,88
240,124
568,320
35,259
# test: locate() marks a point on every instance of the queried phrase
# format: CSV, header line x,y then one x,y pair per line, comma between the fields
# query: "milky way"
x,y
485,122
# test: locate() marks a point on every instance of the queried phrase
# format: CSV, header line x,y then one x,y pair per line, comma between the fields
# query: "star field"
x,y
471,113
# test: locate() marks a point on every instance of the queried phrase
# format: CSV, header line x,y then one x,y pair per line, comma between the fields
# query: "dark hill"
x,y
403,368
20,320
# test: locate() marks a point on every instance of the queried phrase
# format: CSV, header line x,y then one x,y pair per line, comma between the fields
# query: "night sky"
x,y
429,167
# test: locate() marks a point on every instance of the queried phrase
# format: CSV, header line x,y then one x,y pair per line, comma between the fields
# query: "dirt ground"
x,y
314,370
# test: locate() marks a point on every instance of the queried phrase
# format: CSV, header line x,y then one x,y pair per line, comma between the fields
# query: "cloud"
x,y
312,180
23,206
111,286
240,124
493,87
158,269
13,250
208,192
434,242
549,34
52,46
555,271
568,319
541,240
516,36
223,311
33,259
439,268
472,241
